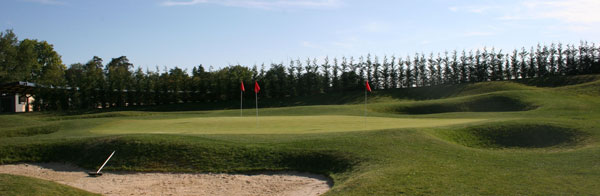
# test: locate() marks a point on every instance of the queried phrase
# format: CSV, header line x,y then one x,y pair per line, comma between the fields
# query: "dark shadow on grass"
x,y
487,103
516,135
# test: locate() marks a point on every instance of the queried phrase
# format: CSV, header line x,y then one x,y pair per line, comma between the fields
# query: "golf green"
x,y
269,124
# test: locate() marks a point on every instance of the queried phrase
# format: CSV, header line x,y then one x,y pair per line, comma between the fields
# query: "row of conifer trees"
x,y
118,83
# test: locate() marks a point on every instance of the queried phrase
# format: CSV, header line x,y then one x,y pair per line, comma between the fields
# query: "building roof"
x,y
17,87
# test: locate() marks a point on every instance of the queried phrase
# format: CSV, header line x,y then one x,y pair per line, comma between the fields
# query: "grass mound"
x,y
482,103
178,153
490,87
21,185
515,135
558,81
590,88
29,131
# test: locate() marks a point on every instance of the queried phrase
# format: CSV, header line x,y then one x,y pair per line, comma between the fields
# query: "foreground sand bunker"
x,y
125,183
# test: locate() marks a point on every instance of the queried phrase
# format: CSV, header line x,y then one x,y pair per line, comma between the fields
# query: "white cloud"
x,y
571,11
48,2
262,4
577,15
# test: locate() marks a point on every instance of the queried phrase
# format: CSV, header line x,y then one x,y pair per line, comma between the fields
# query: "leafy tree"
x,y
27,67
274,81
52,76
118,72
74,76
8,56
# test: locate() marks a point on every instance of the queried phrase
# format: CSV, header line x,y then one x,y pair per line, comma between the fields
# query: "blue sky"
x,y
186,33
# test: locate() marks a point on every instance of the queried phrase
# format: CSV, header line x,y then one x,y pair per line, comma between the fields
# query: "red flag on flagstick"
x,y
368,87
242,87
256,87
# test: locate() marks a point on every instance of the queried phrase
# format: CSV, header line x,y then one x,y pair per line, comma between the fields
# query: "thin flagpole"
x,y
365,108
256,97
241,104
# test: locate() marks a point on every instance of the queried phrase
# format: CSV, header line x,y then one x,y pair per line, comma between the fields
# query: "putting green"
x,y
268,125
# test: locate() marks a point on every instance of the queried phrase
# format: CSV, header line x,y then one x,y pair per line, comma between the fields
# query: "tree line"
x,y
96,84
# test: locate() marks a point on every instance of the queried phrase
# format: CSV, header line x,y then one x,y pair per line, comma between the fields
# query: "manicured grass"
x,y
25,186
268,125
493,138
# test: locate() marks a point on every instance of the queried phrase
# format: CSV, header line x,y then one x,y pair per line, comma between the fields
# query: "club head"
x,y
94,174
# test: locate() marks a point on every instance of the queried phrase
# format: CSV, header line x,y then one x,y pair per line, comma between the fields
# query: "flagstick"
x,y
365,108
241,103
256,96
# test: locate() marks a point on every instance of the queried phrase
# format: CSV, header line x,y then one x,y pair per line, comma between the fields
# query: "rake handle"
x,y
105,162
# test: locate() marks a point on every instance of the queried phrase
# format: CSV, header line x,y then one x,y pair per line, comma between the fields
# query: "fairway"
x,y
269,125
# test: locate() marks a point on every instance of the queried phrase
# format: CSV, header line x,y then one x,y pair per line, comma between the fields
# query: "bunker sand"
x,y
125,183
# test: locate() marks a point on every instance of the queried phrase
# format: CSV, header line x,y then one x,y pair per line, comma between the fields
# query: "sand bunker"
x,y
126,183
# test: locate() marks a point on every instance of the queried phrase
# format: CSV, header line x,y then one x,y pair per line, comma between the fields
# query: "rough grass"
x,y
546,144
11,185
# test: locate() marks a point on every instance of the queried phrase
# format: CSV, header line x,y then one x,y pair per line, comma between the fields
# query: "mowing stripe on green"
x,y
269,125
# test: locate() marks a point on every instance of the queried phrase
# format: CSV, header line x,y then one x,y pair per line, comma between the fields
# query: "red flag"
x,y
256,87
242,87
368,87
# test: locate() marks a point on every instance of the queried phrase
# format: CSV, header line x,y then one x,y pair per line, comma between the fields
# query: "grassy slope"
x,y
386,162
25,186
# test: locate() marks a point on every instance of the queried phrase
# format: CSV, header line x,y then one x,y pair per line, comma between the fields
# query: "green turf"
x,y
25,186
268,124
530,137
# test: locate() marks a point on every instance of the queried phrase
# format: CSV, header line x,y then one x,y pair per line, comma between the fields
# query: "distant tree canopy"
x,y
118,83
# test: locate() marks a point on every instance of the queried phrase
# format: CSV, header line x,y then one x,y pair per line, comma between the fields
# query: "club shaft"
x,y
105,162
